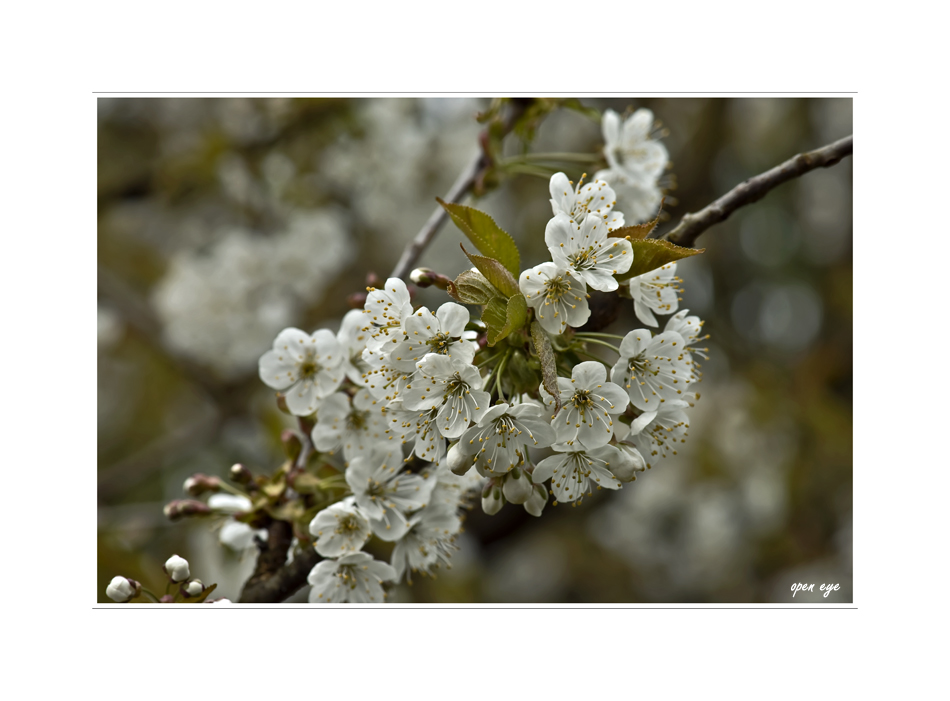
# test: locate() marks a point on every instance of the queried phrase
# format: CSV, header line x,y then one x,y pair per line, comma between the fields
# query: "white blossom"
x,y
559,300
177,568
641,200
502,436
417,429
652,369
689,328
428,542
120,589
586,252
352,339
340,528
441,332
588,402
385,311
661,431
577,202
306,368
537,501
629,147
655,291
355,426
453,387
385,494
354,578
572,473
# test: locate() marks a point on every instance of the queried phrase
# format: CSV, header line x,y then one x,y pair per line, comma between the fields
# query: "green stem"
x,y
149,594
234,490
603,343
562,156
526,169
501,368
594,334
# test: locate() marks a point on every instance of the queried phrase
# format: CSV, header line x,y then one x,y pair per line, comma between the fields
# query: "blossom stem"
x,y
501,368
593,334
149,594
602,343
234,490
560,156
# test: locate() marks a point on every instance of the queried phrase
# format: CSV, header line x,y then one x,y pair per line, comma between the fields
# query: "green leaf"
x,y
488,237
504,318
542,346
650,254
496,273
471,287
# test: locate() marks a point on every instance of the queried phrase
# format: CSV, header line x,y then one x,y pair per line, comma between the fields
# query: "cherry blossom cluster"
x,y
122,590
417,410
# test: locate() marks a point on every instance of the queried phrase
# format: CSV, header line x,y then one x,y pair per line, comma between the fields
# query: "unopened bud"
x,y
229,503
220,601
423,277
492,499
241,474
177,568
193,588
458,462
291,442
198,484
123,589
518,486
537,501
630,463
180,508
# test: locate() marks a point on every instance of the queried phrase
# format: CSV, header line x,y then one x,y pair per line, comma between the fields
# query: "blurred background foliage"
x,y
222,221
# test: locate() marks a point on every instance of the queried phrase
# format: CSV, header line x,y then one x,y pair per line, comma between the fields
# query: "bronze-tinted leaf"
x,y
637,231
650,254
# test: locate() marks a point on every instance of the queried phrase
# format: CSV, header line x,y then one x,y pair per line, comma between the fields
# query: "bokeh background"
x,y
222,221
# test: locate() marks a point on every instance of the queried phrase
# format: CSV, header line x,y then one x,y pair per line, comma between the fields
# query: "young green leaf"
x,y
496,273
650,254
542,346
471,287
503,319
488,237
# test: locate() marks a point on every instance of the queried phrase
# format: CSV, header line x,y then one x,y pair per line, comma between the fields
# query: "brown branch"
x,y
422,240
273,581
754,189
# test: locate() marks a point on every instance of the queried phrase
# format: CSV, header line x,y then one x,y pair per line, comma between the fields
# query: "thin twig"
x,y
415,248
753,189
466,179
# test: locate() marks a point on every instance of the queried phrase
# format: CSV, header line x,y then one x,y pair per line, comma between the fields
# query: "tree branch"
x,y
273,581
422,240
754,189
466,179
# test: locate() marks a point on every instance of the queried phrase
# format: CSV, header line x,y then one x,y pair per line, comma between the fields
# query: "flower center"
x,y
556,287
583,260
347,525
582,400
356,420
309,368
440,343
